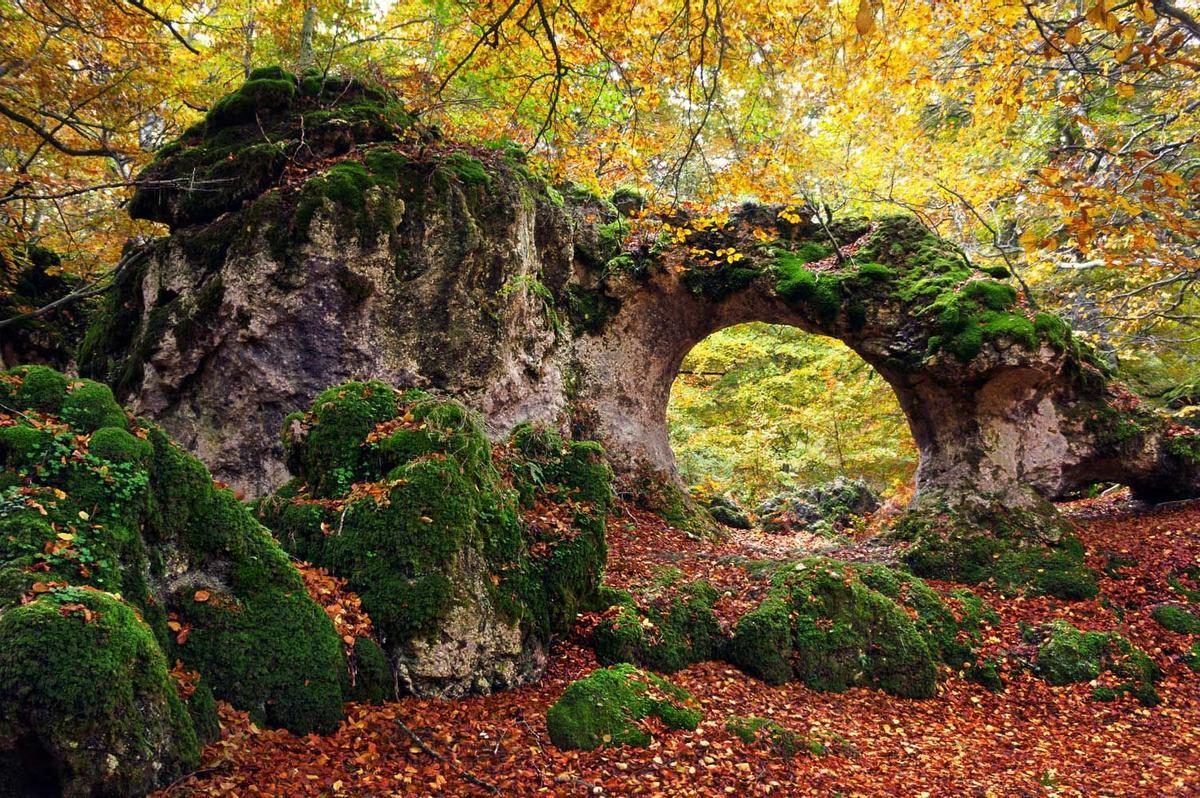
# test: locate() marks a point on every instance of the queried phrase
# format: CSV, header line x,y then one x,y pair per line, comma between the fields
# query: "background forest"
x,y
1056,138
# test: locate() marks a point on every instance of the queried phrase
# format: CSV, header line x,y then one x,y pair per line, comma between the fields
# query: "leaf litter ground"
x,y
1029,740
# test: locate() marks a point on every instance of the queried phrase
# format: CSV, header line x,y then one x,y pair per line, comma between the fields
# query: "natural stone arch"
x,y
418,263
1025,415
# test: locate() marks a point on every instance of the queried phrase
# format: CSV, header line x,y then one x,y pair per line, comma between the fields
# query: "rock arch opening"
x,y
761,408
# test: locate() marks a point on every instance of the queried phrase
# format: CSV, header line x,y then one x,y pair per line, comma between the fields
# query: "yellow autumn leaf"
x,y
864,20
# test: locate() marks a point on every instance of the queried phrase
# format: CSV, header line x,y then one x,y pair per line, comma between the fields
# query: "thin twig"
x,y
416,738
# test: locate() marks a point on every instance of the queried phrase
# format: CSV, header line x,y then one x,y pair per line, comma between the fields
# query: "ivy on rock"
x,y
118,555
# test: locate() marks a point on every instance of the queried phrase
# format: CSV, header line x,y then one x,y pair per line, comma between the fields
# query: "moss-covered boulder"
x,y
1012,549
118,555
466,564
87,706
833,625
665,630
609,706
1066,655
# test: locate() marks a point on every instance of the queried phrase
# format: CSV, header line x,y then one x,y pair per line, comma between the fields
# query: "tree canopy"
x,y
1056,139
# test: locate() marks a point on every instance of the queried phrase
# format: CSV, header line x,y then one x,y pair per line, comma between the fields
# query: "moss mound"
x,y
607,708
399,494
834,625
1068,656
665,630
1014,550
1175,618
117,545
241,147
84,684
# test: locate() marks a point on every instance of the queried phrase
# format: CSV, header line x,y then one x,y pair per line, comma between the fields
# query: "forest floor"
x,y
1029,740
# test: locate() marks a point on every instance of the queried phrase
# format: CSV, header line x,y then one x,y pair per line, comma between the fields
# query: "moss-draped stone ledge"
x,y
467,563
118,556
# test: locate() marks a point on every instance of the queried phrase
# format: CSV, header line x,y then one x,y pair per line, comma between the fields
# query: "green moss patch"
x,y
1175,618
834,625
1068,656
1007,548
608,707
95,504
960,307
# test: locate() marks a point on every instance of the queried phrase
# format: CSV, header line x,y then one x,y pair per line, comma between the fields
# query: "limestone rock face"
x,y
422,264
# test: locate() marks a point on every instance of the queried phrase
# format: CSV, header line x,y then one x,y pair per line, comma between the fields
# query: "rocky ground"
x,y
1031,739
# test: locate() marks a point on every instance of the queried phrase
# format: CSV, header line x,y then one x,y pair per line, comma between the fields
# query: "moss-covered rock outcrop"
x,y
1066,655
608,707
834,625
118,556
466,564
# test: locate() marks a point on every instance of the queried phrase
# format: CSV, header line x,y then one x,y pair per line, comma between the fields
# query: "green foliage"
x,y
606,707
1067,656
758,409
